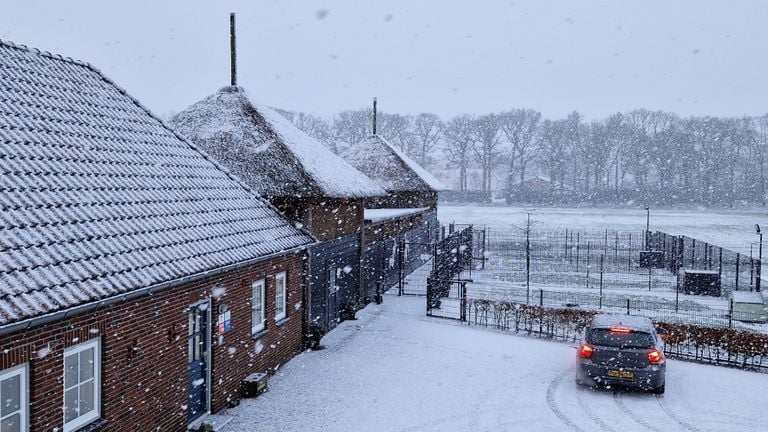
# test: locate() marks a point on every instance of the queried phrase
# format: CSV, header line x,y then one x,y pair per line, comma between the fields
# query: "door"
x,y
198,361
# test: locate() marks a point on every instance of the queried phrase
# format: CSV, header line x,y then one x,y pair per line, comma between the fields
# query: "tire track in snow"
x,y
553,405
620,403
591,414
674,416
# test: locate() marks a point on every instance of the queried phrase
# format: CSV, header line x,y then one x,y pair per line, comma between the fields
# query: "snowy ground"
x,y
396,370
731,229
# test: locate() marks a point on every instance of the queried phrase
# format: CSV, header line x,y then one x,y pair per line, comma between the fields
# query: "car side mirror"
x,y
663,333
579,328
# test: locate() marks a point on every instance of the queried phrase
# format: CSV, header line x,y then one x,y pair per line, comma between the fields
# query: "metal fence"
x,y
599,271
738,272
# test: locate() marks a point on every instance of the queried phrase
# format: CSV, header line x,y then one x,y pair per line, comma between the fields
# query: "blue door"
x,y
198,367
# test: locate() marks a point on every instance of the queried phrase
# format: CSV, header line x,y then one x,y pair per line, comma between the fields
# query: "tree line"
x,y
655,157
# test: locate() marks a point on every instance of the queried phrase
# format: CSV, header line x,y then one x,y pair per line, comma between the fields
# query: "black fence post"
x,y
528,263
600,305
629,254
463,295
588,247
627,306
730,314
578,246
566,243
482,256
738,259
758,269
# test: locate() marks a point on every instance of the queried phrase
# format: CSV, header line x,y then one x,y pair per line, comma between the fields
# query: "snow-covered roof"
x,y
267,151
390,167
748,297
98,197
378,215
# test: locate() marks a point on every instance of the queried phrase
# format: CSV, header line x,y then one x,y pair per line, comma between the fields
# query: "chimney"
x,y
232,50
374,116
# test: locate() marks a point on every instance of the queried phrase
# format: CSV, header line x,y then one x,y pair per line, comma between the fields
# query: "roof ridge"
x,y
37,51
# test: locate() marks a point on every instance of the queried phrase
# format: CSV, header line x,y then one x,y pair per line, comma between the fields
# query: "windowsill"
x,y
282,321
97,425
259,334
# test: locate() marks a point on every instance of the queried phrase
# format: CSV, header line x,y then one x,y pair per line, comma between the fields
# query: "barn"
x,y
308,183
140,282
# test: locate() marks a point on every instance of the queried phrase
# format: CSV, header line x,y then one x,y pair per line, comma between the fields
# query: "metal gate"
x,y
446,288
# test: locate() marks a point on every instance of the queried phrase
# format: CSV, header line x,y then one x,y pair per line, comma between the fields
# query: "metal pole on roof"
x,y
232,50
374,116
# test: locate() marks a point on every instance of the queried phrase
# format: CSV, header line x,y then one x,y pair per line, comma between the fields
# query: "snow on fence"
x,y
724,346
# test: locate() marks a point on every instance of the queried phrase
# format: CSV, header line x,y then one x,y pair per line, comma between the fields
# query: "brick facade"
x,y
326,218
144,383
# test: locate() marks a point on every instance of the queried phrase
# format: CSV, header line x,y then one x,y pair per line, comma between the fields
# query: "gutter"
x,y
88,307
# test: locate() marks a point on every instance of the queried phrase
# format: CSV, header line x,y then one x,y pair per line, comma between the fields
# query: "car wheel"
x,y
659,390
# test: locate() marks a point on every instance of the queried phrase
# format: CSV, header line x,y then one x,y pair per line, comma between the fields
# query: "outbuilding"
x,y
312,186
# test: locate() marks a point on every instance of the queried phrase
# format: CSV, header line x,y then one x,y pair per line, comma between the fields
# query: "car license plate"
x,y
621,374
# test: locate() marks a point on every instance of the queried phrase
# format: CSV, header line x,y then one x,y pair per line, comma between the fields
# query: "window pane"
x,y
70,405
86,365
11,424
70,371
86,398
10,389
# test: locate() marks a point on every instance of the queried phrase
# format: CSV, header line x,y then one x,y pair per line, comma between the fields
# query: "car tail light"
x,y
620,330
655,356
586,351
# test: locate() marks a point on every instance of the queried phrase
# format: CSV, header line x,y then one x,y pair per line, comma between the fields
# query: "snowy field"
x,y
396,370
731,229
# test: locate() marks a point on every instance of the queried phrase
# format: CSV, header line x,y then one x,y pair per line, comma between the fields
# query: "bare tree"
x,y
352,126
426,135
458,145
485,135
519,127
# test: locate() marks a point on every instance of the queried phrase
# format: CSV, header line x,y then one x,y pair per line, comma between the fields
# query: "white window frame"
x,y
22,371
258,322
95,414
281,296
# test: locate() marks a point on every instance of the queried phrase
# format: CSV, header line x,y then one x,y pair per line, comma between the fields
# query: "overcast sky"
x,y
693,57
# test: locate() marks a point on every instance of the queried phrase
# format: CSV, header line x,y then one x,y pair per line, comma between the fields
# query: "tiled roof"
x,y
267,151
98,197
390,167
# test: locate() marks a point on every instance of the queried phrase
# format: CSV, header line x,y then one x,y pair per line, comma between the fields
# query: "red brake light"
x,y
586,351
654,356
620,330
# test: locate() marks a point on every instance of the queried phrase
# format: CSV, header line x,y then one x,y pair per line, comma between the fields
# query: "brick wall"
x,y
326,218
144,349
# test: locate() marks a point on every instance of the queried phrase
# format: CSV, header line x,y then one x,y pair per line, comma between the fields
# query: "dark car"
x,y
622,350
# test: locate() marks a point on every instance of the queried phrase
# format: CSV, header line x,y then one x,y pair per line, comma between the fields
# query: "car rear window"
x,y
632,339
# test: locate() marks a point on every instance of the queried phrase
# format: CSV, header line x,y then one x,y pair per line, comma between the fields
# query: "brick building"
x,y
301,177
139,281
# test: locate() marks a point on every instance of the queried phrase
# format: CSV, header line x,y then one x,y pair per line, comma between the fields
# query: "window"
x,y
258,315
280,294
82,384
13,399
